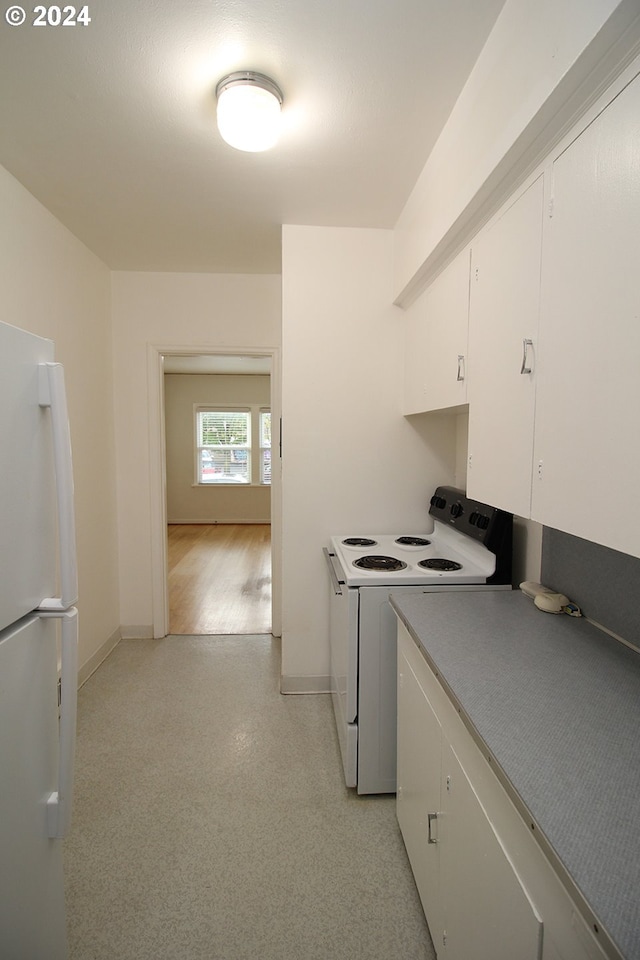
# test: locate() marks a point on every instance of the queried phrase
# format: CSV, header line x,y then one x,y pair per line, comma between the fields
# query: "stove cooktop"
x,y
444,556
471,543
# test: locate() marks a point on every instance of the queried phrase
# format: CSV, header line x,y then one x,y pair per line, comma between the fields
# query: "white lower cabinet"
x,y
488,914
418,789
488,890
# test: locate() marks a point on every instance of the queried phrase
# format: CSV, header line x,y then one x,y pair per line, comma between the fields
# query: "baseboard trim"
x,y
305,684
136,632
219,523
98,657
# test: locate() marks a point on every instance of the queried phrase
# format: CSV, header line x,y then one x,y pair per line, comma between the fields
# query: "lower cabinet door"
x,y
418,792
488,914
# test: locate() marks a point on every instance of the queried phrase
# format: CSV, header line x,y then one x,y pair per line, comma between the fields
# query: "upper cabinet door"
x,y
587,452
503,342
436,342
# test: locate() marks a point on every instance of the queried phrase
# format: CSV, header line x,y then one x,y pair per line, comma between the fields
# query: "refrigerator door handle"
x,y
52,394
60,801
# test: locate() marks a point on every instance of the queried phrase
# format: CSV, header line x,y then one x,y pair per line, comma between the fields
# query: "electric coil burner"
x,y
469,549
440,563
379,563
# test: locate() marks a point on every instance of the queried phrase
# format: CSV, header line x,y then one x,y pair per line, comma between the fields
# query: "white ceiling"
x,y
112,125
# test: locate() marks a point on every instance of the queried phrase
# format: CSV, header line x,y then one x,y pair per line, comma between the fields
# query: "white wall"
x,y
351,462
206,312
188,502
539,58
54,286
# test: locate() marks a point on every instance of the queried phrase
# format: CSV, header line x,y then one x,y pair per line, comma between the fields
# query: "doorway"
x,y
225,563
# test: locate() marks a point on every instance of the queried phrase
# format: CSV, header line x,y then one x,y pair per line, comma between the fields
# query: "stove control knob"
x,y
483,522
438,502
457,510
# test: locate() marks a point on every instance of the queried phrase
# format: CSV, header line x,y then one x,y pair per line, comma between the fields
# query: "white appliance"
x,y
469,549
38,646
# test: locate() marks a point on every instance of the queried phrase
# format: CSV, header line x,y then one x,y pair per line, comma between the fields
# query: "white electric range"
x,y
469,549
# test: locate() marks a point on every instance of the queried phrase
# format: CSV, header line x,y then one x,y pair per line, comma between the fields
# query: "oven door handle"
x,y
336,583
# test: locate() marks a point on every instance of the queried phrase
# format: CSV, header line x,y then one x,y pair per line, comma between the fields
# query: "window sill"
x,y
234,486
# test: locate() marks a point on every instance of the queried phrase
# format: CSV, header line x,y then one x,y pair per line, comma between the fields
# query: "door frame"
x,y
158,471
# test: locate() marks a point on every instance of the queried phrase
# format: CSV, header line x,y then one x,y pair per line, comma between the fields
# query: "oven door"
x,y
343,638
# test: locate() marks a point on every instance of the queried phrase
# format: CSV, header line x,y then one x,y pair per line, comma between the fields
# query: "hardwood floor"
x,y
219,578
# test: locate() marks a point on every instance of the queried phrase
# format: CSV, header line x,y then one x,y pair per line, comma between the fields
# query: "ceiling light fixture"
x,y
249,110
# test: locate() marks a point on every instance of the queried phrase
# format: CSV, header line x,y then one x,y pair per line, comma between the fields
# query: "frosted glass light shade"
x,y
249,111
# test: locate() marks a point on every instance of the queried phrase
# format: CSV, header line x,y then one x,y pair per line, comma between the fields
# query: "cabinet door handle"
x,y
461,371
526,366
430,818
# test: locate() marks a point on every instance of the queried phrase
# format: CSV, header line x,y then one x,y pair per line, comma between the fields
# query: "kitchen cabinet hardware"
x,y
430,835
461,368
526,346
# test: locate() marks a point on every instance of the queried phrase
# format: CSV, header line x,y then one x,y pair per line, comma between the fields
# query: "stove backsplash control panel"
x,y
489,525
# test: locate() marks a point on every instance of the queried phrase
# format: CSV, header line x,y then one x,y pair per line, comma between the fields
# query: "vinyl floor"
x,y
211,820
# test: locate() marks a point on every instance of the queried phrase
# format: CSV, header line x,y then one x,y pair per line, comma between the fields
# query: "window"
x,y
224,446
265,446
224,442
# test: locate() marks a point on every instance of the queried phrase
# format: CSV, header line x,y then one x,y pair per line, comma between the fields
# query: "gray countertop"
x,y
557,703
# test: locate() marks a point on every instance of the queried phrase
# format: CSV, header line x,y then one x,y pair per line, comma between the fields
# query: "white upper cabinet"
x,y
547,335
587,450
436,334
503,346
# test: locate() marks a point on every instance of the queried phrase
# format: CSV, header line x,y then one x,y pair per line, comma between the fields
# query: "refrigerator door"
x,y
27,488
32,915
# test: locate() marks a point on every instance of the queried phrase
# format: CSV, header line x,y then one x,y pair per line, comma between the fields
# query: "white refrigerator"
x,y
38,646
